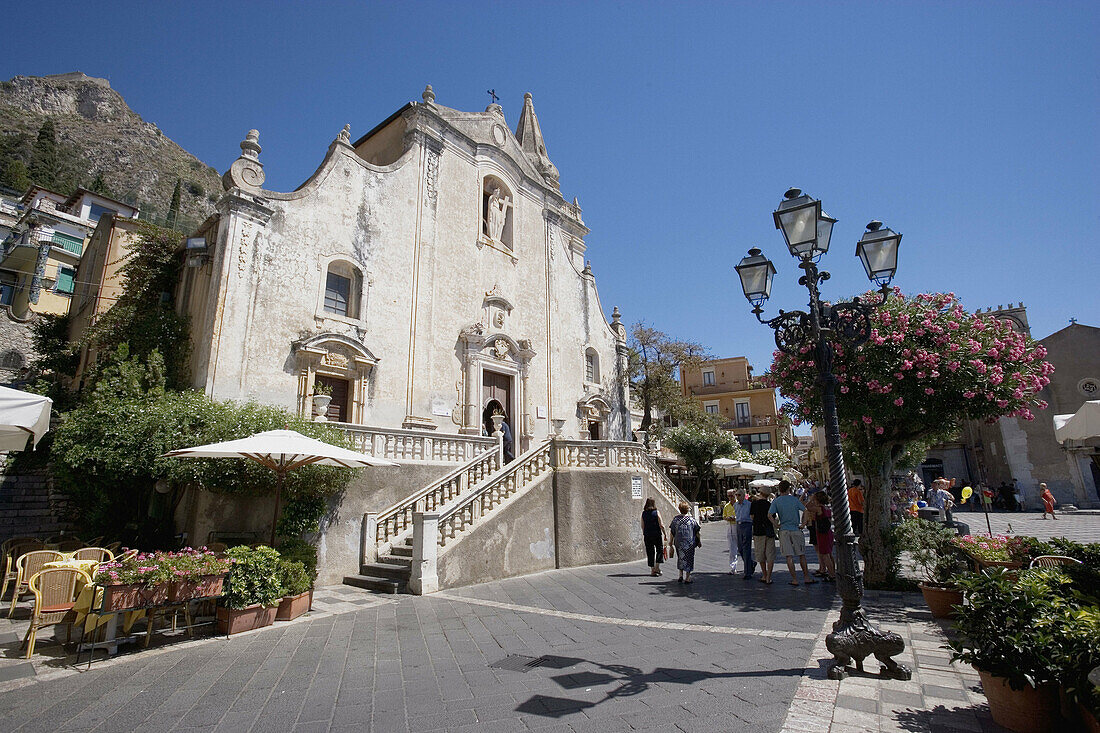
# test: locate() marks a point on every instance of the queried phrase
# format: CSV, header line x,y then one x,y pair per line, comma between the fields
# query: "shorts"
x,y
763,548
792,542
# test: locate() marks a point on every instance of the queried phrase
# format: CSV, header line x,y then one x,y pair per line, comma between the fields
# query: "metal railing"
x,y
415,445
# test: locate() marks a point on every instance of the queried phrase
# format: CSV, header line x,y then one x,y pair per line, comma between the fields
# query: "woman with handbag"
x,y
683,533
653,534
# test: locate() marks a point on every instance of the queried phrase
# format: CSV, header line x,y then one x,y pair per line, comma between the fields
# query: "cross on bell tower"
x,y
492,95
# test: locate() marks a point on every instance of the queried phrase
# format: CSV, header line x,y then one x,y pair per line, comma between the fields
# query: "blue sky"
x,y
969,127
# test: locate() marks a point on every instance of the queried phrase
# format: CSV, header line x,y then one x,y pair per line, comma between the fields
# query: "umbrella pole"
x,y
279,476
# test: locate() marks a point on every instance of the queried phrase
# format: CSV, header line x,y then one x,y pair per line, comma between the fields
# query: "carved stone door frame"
x,y
338,356
501,354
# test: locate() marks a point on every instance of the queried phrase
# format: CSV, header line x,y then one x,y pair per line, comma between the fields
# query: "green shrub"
x,y
295,549
294,577
301,514
931,547
254,578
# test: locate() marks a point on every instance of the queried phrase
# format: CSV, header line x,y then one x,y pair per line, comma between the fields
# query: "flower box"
x,y
133,595
234,621
292,607
204,587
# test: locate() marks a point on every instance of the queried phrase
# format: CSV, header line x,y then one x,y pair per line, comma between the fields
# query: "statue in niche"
x,y
497,214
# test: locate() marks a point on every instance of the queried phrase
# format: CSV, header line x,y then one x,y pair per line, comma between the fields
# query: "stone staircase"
x,y
390,574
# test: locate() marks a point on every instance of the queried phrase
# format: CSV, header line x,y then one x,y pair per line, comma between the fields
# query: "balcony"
x,y
729,385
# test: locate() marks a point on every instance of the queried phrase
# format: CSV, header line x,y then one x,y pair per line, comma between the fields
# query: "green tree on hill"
x,y
15,175
174,207
45,161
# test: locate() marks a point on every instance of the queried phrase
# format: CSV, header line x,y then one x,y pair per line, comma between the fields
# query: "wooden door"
x,y
339,409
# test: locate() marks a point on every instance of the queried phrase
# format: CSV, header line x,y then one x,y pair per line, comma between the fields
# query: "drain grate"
x,y
523,663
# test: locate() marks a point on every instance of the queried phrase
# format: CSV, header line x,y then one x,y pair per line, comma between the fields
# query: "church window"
x,y
496,211
343,285
591,366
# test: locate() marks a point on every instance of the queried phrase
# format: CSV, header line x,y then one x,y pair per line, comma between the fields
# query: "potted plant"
x,y
931,548
252,590
136,582
987,552
322,396
297,588
1010,630
194,573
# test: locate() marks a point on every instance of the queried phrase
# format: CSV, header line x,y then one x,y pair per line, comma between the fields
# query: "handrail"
x,y
415,445
468,509
616,454
397,518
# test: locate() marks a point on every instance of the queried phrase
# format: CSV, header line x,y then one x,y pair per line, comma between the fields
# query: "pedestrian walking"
x,y
653,534
683,533
821,516
763,535
855,506
743,510
788,510
729,514
942,499
1048,501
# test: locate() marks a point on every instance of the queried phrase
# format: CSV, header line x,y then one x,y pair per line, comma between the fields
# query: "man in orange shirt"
x,y
855,506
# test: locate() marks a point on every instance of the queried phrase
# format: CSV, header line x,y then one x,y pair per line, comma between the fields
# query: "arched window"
x,y
496,211
591,366
343,289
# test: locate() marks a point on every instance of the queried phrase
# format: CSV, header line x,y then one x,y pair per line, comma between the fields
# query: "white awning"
x,y
23,416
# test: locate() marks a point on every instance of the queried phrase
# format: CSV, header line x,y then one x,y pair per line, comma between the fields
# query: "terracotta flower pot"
x,y
234,621
1030,710
292,607
118,597
203,587
940,600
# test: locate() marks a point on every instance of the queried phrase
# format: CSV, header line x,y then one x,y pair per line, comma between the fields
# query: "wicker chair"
x,y
1053,561
28,565
127,555
217,547
55,591
68,545
99,554
13,549
114,546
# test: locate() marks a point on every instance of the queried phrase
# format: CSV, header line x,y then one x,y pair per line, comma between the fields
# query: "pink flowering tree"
x,y
927,367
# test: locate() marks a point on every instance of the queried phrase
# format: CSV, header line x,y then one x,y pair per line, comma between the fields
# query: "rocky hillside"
x,y
103,145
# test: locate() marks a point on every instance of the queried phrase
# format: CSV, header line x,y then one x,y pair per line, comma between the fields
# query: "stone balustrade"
x,y
416,445
468,510
395,521
609,454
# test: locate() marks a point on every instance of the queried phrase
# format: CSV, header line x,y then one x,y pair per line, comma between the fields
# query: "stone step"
x,y
369,582
396,560
385,570
402,550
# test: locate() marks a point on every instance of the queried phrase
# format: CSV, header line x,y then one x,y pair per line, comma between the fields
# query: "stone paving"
x,y
603,648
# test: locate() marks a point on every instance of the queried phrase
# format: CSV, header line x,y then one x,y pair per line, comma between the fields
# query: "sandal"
x,y
810,581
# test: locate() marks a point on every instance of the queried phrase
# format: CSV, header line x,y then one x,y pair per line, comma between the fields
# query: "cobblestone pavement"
x,y
599,648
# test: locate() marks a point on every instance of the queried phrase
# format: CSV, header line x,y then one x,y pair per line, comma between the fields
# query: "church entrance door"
x,y
338,409
496,388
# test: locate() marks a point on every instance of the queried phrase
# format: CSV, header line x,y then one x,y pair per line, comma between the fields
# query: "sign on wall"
x,y
635,487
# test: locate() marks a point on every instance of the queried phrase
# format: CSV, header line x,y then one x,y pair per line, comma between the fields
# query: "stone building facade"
x,y
425,275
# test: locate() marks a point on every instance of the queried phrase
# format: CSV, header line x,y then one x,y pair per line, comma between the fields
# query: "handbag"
x,y
698,540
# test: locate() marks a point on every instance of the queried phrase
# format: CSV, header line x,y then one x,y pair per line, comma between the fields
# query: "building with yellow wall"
x,y
745,407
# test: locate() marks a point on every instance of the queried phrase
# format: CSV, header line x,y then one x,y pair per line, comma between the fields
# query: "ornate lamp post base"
x,y
854,638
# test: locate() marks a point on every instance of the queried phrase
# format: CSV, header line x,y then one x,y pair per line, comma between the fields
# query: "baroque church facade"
x,y
427,275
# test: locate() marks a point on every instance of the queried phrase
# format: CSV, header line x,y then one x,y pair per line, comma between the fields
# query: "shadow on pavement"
x,y
631,681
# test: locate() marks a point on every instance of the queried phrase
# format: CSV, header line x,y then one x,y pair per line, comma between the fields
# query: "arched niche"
x,y
341,363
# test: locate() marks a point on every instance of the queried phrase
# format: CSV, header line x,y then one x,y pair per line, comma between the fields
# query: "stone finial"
x,y
429,94
247,172
344,136
588,267
495,109
616,317
529,135
576,202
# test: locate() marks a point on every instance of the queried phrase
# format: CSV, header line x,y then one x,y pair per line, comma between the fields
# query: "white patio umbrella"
x,y
282,451
730,467
23,416
1080,426
763,483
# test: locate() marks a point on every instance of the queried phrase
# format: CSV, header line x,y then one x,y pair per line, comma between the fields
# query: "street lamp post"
x,y
807,230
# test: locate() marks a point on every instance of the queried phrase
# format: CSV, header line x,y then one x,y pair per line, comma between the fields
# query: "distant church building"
x,y
428,274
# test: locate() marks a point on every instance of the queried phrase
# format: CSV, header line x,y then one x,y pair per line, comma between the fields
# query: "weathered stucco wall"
x,y
518,540
597,522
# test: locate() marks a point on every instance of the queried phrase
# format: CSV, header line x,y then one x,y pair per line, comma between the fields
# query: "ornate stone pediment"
x,y
335,351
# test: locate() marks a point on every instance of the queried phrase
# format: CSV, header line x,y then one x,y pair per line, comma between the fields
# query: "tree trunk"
x,y
874,545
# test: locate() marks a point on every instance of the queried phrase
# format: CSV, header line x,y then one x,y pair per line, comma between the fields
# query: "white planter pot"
x,y
320,407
